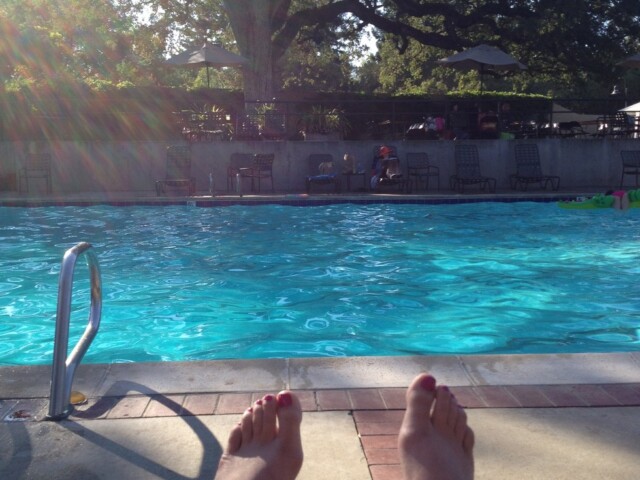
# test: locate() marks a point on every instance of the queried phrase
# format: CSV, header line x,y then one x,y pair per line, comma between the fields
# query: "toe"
x,y
442,408
420,397
246,426
460,424
289,413
454,410
468,441
258,420
235,439
269,418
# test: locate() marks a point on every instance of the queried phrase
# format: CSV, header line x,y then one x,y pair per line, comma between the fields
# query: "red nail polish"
x,y
268,398
285,400
428,383
259,402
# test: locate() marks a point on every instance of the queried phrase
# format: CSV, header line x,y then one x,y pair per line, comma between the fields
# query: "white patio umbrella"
x,y
482,58
631,108
209,55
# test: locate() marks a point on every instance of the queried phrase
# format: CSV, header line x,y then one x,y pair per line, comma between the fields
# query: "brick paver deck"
x,y
377,412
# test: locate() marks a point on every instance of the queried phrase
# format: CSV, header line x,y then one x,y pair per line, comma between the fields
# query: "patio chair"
x,y
178,175
260,169
35,166
467,165
237,162
322,171
529,170
386,168
630,165
419,171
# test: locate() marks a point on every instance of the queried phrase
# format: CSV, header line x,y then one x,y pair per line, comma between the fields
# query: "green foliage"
x,y
571,48
326,120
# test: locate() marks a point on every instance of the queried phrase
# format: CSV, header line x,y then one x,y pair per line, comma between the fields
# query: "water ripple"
x,y
185,283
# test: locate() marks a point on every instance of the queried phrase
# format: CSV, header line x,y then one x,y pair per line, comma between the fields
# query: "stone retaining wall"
x,y
135,166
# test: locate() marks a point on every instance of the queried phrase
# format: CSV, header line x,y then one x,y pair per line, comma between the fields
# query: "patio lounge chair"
x,y
630,165
467,165
322,171
35,166
419,171
178,175
528,169
260,169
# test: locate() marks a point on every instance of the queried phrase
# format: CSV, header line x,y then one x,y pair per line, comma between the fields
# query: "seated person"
x,y
385,168
620,199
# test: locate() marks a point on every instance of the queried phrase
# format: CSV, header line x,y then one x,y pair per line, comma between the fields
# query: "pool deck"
x,y
561,416
536,416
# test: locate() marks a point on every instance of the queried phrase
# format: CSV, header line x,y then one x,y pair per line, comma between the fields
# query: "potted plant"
x,y
325,124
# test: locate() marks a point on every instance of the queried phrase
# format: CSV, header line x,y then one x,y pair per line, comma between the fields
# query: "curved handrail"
x,y
64,367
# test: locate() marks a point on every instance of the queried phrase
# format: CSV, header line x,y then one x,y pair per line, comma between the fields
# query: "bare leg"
x,y
435,442
624,201
266,444
621,202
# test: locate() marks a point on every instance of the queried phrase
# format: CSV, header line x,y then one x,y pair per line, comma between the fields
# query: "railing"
x,y
64,367
400,118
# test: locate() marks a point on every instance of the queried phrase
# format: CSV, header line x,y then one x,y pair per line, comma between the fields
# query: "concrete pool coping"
x,y
118,379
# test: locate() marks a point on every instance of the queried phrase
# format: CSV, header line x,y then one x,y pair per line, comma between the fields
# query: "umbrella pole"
x,y
208,84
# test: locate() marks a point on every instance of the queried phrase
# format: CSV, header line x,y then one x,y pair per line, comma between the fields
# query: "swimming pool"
x,y
187,283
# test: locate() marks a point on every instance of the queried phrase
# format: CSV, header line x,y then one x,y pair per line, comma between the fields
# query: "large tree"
x,y
574,37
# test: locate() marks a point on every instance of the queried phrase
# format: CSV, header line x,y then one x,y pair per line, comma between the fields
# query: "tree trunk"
x,y
251,23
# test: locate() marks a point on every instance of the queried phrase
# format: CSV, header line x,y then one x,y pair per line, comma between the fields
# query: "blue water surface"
x,y
188,283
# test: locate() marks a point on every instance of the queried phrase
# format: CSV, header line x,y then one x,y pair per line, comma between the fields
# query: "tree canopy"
x,y
570,47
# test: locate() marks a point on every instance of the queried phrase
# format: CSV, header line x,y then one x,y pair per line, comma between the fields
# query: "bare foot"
x,y
435,442
266,444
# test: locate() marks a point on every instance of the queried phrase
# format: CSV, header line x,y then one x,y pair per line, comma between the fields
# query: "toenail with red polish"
x,y
259,402
428,383
285,400
268,398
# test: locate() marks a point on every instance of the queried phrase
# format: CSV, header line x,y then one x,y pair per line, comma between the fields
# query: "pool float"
x,y
601,200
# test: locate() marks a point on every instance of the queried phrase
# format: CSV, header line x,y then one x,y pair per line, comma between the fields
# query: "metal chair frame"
x,y
630,165
35,166
262,168
420,170
178,174
316,177
529,170
467,164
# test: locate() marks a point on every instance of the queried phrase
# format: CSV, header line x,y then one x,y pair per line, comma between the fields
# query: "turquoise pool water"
x,y
187,283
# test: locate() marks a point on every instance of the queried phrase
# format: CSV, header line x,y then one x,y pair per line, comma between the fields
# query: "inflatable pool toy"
x,y
600,200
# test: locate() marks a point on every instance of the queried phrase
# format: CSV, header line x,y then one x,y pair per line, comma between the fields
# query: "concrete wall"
x,y
135,166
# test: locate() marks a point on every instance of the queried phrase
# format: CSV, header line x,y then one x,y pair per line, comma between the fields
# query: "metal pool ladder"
x,y
64,367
